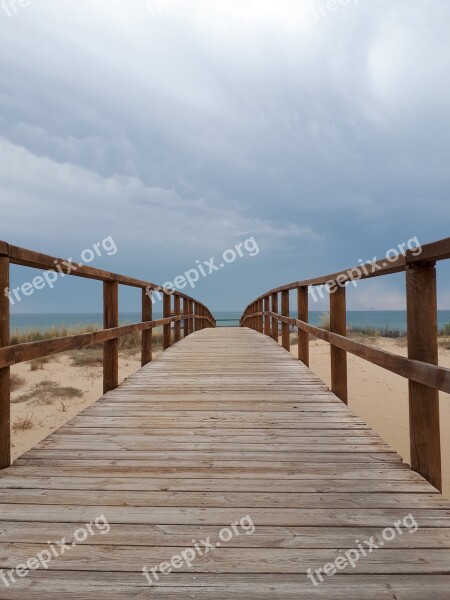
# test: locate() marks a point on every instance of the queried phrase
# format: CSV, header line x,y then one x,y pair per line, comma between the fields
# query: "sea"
x,y
378,319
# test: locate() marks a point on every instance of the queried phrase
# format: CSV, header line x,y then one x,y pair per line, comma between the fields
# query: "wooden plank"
x,y
275,500
330,483
210,586
221,517
424,424
225,424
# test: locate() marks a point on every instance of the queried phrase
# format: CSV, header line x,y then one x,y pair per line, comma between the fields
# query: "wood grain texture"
x,y
111,347
147,335
338,324
222,425
425,440
5,394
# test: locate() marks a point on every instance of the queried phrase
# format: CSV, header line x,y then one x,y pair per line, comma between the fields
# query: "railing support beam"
x,y
5,394
167,329
177,313
274,319
338,324
303,337
267,317
186,320
111,347
285,334
423,345
147,336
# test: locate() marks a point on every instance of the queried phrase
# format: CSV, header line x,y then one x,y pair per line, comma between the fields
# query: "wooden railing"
x,y
421,368
194,314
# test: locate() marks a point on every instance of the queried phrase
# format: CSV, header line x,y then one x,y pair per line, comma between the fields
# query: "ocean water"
x,y
391,320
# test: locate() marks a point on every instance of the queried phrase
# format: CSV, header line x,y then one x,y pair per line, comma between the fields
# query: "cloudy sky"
x,y
183,127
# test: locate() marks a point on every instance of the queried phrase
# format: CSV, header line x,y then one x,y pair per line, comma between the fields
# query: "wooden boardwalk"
x,y
223,425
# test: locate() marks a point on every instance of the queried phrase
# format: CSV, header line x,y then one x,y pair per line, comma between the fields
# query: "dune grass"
x,y
16,382
46,392
23,423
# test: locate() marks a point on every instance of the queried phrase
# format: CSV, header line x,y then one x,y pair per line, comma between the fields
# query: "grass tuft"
x,y
16,382
38,363
23,423
47,391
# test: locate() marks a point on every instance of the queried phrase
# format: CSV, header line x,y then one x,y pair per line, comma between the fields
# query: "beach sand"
x,y
376,395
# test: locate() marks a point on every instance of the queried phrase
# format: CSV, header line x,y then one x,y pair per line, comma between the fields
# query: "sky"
x,y
180,128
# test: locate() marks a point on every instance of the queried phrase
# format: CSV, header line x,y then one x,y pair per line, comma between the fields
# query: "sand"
x,y
376,395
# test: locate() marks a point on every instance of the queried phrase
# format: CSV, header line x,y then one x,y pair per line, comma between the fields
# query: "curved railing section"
x,y
421,368
177,308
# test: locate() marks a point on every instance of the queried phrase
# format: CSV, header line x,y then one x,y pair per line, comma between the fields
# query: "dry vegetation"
x,y
16,382
46,392
23,423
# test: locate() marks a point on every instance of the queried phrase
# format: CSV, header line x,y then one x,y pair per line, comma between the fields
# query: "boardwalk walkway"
x,y
223,425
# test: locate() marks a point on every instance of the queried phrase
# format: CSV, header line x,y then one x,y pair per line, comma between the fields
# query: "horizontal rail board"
x,y
19,353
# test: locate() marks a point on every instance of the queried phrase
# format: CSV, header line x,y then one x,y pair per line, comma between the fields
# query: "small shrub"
x,y
16,382
23,423
87,358
38,363
47,391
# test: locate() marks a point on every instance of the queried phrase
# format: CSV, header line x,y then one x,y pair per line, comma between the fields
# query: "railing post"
x,y
147,335
185,313
5,393
285,335
111,347
266,317
275,333
167,329
338,324
177,312
303,337
260,318
423,345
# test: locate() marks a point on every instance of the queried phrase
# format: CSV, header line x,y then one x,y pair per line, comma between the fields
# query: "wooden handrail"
x,y
421,368
196,316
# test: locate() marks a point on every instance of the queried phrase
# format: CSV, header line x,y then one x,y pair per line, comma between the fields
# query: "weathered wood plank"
x,y
223,425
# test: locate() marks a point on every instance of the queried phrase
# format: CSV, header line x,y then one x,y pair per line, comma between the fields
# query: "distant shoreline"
x,y
388,320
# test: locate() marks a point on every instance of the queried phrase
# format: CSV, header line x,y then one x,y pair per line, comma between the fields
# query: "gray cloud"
x,y
190,125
